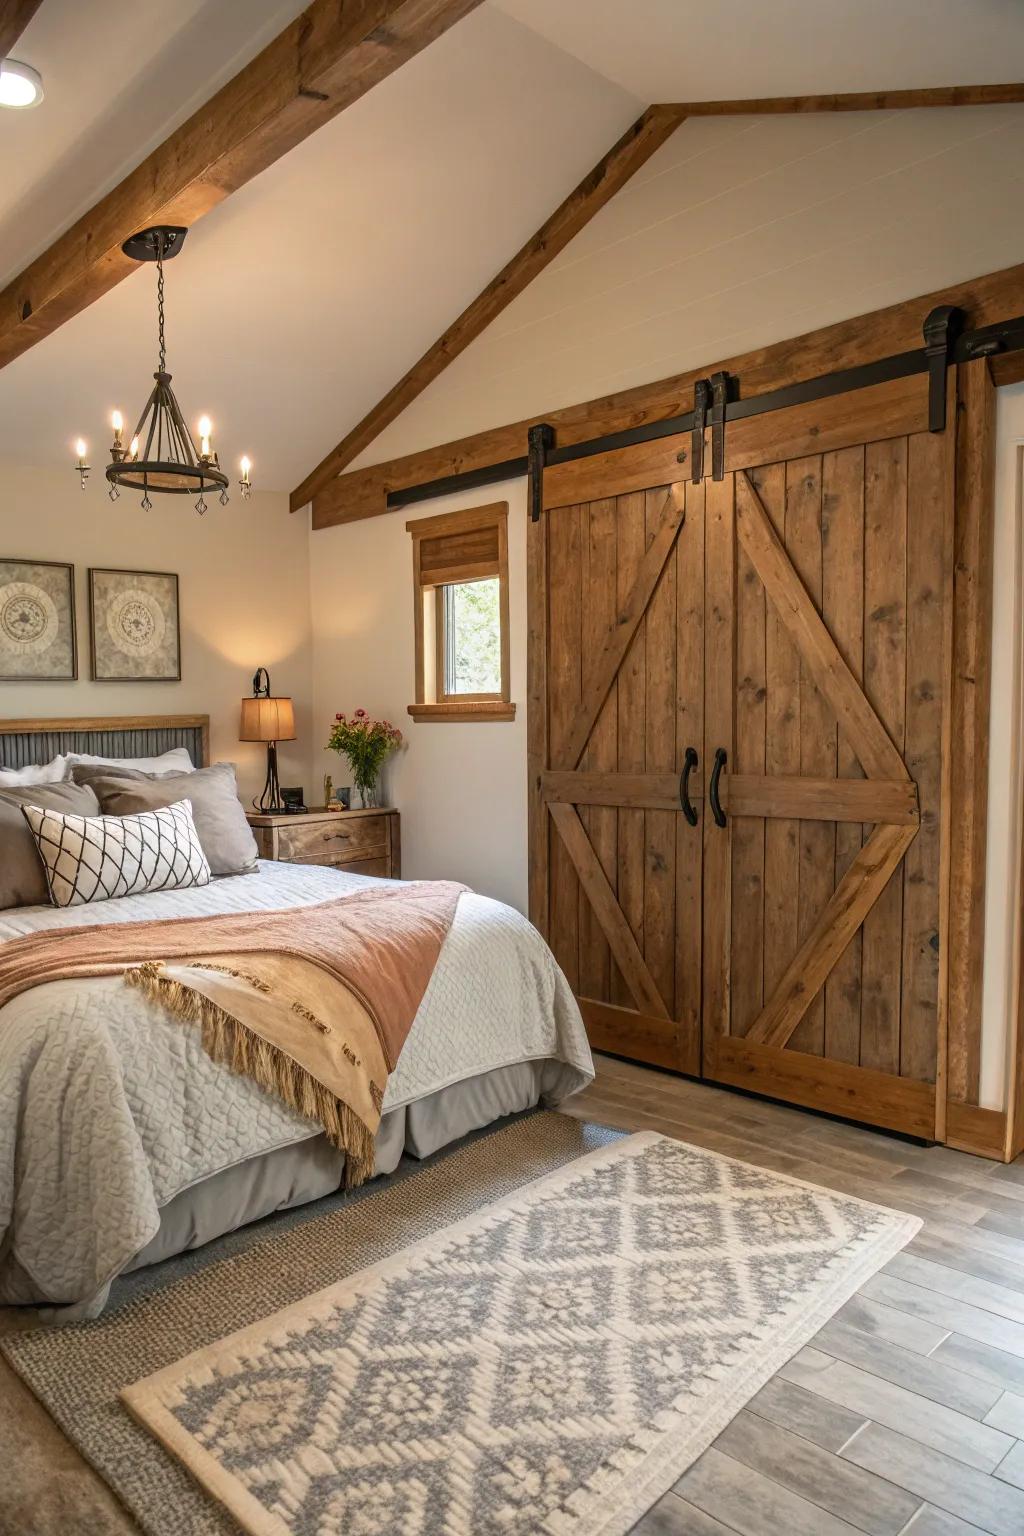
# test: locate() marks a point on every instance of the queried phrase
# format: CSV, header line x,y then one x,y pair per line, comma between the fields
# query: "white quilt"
x,y
109,1107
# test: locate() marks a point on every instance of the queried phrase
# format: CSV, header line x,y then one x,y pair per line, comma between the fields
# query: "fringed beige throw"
x,y
314,1003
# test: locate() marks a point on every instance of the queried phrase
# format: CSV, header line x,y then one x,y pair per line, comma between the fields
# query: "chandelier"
x,y
161,455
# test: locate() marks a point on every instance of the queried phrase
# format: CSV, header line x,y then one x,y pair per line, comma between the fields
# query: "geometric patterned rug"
x,y
551,1363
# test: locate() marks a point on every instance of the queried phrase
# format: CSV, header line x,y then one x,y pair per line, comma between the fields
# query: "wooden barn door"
x,y
619,662
823,624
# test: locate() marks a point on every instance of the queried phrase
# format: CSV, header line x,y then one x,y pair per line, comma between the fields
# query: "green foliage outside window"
x,y
472,634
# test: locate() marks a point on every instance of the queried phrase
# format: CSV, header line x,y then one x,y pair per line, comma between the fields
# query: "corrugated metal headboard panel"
x,y
39,741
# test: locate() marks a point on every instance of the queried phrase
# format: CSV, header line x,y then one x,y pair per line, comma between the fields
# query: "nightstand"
x,y
361,842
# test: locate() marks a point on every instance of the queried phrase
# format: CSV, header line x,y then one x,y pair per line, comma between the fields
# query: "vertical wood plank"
x,y
926,500
817,840
972,675
598,615
885,668
748,833
537,760
946,765
689,557
565,686
660,747
719,696
842,538
782,756
631,542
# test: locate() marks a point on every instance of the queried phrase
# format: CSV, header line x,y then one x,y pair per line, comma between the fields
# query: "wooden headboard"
x,y
39,741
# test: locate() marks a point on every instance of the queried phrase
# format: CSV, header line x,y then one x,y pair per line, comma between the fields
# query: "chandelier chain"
x,y
160,301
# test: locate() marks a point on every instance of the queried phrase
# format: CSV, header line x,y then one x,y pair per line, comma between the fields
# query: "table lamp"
x,y
269,719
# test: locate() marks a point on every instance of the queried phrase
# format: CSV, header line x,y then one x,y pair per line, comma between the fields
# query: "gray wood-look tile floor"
x,y
905,1414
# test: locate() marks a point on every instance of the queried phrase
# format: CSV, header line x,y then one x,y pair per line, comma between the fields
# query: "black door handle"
x,y
721,759
689,764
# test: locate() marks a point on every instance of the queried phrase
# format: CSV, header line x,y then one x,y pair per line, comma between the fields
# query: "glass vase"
x,y
369,794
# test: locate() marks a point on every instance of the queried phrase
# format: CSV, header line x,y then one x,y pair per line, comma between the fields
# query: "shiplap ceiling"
x,y
302,298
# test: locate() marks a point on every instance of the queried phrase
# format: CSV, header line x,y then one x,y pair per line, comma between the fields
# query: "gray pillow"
x,y
224,833
22,876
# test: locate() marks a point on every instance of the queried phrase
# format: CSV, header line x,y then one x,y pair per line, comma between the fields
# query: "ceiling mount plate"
x,y
145,245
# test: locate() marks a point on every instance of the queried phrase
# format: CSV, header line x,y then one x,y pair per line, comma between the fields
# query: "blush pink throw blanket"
x,y
313,1003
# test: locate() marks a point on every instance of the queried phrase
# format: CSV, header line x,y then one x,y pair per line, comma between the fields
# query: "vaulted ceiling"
x,y
303,297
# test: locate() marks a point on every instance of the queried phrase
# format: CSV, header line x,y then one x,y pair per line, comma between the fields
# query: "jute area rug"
x,y
485,1355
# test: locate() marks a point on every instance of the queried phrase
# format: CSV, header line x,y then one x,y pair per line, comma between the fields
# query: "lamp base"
x,y
269,803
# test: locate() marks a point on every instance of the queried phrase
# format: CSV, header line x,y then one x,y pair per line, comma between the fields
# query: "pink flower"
x,y
361,714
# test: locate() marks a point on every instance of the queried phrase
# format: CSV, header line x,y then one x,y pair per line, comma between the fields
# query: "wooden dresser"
x,y
361,842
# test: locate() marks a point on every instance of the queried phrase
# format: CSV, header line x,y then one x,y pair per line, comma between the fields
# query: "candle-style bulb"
x,y
117,422
245,463
81,466
134,448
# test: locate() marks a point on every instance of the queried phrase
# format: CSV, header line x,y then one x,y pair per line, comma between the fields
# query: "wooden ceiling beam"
x,y
862,101
863,339
611,173
15,16
326,59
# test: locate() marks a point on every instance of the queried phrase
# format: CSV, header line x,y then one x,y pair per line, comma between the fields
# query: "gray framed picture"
x,y
37,622
134,626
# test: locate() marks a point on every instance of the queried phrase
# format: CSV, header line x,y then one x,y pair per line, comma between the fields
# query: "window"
x,y
460,584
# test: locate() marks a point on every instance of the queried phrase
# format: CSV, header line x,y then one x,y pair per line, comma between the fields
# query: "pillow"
x,y
176,760
47,773
94,858
220,820
22,877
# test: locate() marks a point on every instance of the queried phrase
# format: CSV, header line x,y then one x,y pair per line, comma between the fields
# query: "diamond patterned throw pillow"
x,y
92,858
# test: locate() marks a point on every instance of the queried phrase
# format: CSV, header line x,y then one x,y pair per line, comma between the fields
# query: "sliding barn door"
x,y
790,623
618,659
827,578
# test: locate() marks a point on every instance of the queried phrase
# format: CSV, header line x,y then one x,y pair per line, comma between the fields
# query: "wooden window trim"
x,y
432,703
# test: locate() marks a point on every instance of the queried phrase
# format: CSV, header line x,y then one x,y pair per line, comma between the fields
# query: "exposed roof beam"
x,y
862,101
15,16
326,59
610,173
862,339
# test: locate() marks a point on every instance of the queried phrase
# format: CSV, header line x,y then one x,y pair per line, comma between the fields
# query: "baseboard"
x,y
970,1128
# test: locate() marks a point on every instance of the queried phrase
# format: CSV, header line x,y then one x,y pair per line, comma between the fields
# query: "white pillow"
x,y
94,858
176,760
45,773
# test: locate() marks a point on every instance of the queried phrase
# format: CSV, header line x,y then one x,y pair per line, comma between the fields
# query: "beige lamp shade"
x,y
267,720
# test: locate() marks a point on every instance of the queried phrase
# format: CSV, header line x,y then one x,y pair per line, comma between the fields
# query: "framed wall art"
x,y
37,622
134,626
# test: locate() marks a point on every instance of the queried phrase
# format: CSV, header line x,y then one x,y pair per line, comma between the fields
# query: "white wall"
x,y
461,787
244,595
1004,795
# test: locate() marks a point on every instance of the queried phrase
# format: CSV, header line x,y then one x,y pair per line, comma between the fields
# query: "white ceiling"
x,y
690,50
738,233
303,297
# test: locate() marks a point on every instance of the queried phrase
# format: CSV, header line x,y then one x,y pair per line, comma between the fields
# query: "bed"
x,y
122,1143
